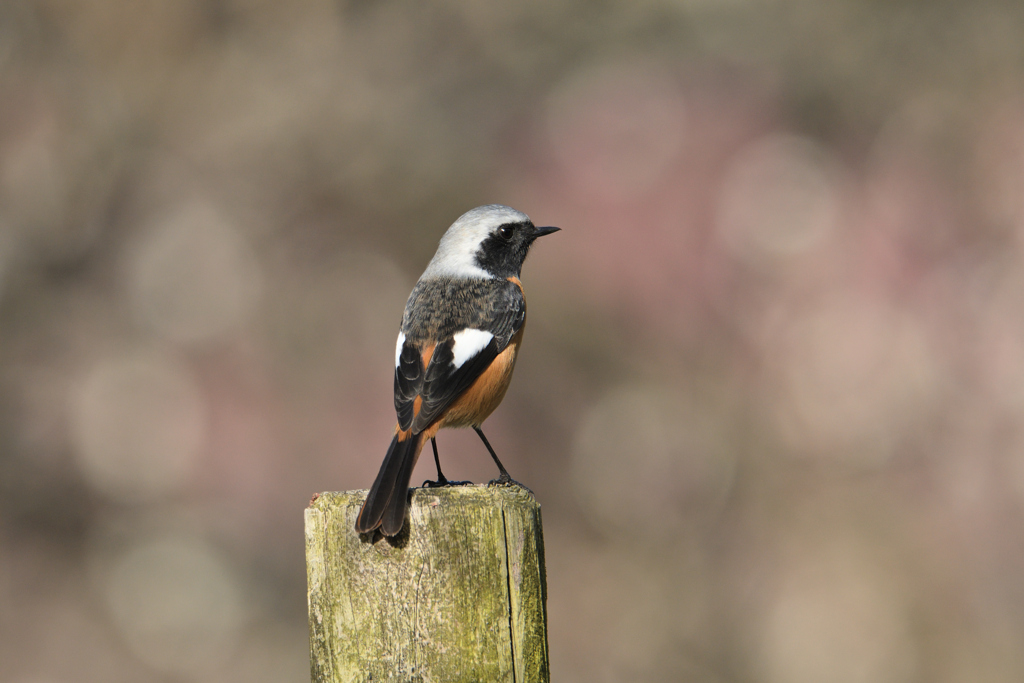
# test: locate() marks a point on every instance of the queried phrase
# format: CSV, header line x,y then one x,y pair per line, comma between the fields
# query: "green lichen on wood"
x,y
459,595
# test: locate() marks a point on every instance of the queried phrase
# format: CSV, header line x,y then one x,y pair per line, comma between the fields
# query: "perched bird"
x,y
457,347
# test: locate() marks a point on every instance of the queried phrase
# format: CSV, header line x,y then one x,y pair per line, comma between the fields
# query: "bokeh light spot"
x,y
175,602
836,618
139,424
780,196
615,130
192,276
849,376
648,458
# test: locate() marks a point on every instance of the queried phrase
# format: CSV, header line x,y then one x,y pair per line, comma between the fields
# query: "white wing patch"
x,y
398,348
468,343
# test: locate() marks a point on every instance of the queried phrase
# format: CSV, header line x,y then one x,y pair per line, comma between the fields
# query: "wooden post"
x,y
458,595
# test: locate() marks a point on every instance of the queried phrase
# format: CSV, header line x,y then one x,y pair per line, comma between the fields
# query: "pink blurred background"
x,y
772,394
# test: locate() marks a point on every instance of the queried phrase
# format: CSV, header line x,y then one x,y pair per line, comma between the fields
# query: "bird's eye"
x,y
506,232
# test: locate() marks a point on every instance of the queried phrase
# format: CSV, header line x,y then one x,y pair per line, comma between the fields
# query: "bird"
x,y
457,347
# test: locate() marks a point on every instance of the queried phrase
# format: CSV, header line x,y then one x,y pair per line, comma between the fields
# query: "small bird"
x,y
457,347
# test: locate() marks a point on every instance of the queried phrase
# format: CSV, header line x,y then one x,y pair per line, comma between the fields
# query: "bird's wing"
x,y
430,375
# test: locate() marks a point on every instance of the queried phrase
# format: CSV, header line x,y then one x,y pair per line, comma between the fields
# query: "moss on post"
x,y
459,595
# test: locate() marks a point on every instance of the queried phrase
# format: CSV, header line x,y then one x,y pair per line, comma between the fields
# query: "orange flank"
x,y
478,401
483,396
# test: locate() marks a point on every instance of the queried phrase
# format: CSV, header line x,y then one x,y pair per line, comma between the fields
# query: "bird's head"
x,y
488,241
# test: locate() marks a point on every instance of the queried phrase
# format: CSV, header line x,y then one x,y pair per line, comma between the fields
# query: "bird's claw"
x,y
505,480
444,481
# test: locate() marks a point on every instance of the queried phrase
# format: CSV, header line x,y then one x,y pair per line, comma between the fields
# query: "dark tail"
x,y
385,504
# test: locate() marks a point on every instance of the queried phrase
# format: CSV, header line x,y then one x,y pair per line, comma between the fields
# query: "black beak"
x,y
540,232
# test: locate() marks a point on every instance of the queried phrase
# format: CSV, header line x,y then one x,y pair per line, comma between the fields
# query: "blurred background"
x,y
772,395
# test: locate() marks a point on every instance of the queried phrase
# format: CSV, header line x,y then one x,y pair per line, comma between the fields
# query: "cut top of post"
x,y
458,595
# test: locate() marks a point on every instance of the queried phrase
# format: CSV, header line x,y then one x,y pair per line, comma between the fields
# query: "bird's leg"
x,y
503,479
441,479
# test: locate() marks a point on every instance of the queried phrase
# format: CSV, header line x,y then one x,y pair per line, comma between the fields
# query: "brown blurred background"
x,y
772,395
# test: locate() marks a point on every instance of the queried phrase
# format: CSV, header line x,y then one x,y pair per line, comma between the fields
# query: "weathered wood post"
x,y
459,595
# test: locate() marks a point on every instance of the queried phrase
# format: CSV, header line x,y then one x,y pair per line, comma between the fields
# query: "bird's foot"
x,y
444,481
505,480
